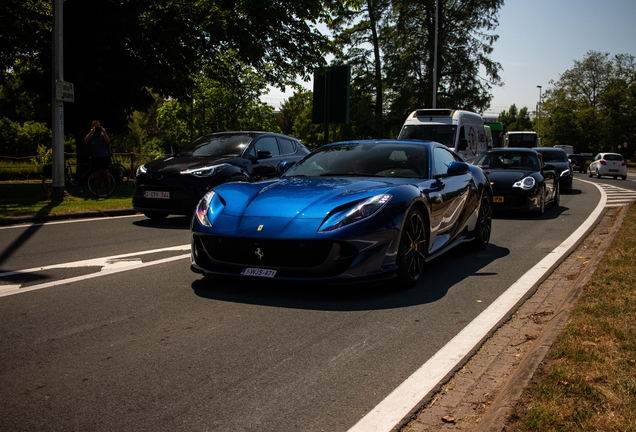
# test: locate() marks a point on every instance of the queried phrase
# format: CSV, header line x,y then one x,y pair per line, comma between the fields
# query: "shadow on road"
x,y
439,276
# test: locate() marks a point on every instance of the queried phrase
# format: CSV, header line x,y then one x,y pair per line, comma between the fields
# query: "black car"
x,y
559,160
519,181
579,162
174,185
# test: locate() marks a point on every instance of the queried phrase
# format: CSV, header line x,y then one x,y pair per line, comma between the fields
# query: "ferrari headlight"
x,y
209,206
206,171
360,211
525,184
141,169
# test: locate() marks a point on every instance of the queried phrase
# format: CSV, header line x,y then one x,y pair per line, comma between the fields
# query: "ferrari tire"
x,y
412,248
483,227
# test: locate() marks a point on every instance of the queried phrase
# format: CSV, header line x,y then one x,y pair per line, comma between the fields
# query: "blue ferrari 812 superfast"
x,y
349,211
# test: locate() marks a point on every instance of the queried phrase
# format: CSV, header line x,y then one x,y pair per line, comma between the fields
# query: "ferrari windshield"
x,y
222,144
365,160
518,160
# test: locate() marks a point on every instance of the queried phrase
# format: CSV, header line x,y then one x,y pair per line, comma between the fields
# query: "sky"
x,y
541,39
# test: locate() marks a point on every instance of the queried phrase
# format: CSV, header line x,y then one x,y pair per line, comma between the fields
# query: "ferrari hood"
x,y
296,197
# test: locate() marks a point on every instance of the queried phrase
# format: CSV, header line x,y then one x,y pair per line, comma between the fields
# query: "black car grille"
x,y
293,257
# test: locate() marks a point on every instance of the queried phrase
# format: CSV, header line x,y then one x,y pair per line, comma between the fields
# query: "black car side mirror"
x,y
264,154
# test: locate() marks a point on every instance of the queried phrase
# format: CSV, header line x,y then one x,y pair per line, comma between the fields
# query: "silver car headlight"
x,y
525,183
208,208
206,171
141,169
361,211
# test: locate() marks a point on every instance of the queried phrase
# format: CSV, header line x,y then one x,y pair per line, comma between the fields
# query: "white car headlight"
x,y
362,210
141,169
206,171
525,184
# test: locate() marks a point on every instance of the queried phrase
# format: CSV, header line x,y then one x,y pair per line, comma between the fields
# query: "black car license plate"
x,y
157,194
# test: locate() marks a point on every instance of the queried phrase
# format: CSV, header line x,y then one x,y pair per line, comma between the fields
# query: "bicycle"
x,y
71,185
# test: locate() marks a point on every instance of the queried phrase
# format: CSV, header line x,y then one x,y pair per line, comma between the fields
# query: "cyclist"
x,y
99,153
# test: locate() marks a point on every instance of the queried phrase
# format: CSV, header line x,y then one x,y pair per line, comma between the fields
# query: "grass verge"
x,y
588,382
28,198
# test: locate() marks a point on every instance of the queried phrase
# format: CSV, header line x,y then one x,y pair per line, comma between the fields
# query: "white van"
x,y
463,131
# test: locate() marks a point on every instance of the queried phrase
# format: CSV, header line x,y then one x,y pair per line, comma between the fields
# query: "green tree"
x,y
465,71
515,119
591,106
115,51
295,119
357,30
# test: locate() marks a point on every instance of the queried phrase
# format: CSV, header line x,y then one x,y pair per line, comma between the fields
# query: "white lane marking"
x,y
58,222
108,265
618,196
408,395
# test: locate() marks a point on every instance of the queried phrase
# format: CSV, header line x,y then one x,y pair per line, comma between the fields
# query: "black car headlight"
x,y
362,210
565,173
526,183
141,169
206,171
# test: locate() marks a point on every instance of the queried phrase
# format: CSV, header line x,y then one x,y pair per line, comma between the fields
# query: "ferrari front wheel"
x,y
412,248
483,227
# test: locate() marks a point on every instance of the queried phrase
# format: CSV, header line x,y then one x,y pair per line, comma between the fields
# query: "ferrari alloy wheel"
x,y
412,249
483,227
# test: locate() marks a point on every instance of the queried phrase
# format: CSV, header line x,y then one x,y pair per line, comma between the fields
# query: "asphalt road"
x,y
138,342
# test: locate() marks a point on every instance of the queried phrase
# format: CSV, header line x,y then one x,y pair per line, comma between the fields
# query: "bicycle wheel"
x,y
120,173
100,189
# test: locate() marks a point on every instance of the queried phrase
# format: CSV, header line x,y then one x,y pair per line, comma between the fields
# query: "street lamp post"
x,y
539,114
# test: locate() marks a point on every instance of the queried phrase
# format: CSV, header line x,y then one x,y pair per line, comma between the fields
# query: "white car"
x,y
608,164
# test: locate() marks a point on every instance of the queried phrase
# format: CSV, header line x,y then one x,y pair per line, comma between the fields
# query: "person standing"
x,y
100,154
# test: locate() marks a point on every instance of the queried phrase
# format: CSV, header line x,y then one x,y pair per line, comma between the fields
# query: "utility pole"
x,y
57,105
539,114
434,105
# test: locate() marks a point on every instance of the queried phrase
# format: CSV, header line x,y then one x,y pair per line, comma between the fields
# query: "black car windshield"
x,y
554,156
364,160
509,160
223,144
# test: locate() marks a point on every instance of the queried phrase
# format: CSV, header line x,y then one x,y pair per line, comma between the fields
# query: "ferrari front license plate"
x,y
498,199
259,272
157,194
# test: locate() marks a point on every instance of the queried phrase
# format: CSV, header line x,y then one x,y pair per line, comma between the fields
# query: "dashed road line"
x,y
618,196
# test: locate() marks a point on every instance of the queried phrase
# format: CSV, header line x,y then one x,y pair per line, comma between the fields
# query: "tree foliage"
x,y
516,119
115,51
592,106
